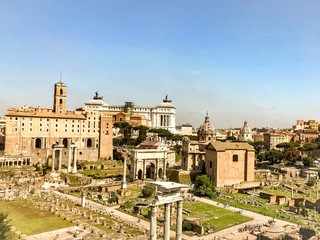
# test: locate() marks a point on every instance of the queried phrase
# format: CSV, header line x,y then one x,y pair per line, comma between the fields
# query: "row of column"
x,y
167,217
14,163
57,153
165,120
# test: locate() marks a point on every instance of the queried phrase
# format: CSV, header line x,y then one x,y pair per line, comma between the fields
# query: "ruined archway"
x,y
150,171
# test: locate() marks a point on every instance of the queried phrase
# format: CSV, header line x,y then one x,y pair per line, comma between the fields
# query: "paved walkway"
x,y
63,233
228,233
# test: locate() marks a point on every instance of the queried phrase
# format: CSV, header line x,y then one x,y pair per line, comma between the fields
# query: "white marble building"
x,y
161,116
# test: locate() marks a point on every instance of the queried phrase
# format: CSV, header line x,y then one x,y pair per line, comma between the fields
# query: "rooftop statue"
x,y
166,100
97,97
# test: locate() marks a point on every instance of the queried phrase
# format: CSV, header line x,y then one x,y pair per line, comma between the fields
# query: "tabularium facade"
x,y
34,131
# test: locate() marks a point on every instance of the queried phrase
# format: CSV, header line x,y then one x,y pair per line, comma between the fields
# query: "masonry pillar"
x,y
164,169
144,170
179,221
156,176
83,199
153,223
124,178
53,159
74,160
69,159
166,221
60,159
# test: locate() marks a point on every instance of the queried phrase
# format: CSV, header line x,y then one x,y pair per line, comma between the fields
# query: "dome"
x,y
206,131
245,128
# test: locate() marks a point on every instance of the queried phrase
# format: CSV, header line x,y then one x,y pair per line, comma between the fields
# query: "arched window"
x,y
61,91
89,143
235,158
65,142
60,101
38,143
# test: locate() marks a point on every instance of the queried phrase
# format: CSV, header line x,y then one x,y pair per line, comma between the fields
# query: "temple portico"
x,y
166,194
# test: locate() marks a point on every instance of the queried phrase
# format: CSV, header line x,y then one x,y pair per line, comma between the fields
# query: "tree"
x,y
308,148
262,157
142,134
259,146
147,191
292,154
162,133
286,145
203,186
308,161
4,227
274,156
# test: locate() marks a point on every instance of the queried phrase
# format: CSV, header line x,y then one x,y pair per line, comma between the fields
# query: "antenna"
x,y
61,76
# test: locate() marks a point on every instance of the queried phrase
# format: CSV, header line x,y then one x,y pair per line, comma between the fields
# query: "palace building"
x,y
44,134
162,116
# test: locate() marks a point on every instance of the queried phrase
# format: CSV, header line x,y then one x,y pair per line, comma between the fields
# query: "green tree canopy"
x,y
308,161
274,156
286,145
147,191
4,227
203,186
309,147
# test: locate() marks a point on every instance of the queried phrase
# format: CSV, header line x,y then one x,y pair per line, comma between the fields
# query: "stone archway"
x,y
140,174
150,171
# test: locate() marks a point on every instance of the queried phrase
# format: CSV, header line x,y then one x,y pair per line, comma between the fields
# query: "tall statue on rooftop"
x,y
166,100
97,97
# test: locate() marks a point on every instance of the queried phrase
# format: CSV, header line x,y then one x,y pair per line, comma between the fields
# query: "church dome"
x,y
206,131
245,128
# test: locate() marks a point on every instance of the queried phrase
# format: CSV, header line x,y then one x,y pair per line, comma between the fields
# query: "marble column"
x,y
153,223
69,159
156,176
53,159
165,169
179,221
60,159
166,234
74,160
124,178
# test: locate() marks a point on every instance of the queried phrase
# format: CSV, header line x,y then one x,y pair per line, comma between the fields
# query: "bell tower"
x,y
60,97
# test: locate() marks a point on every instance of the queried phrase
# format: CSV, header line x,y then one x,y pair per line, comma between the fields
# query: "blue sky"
x,y
237,59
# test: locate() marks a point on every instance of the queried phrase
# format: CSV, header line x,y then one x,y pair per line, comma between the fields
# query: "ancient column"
x,y
166,234
153,222
69,159
53,158
60,159
165,168
83,199
179,221
157,170
124,178
74,160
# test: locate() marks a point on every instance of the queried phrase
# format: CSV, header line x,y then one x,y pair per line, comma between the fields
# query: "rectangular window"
x,y
210,164
235,158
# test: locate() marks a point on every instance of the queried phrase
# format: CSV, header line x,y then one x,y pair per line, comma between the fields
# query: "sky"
x,y
235,59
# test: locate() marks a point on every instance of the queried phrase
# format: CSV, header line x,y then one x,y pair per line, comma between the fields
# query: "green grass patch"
x,y
214,217
30,220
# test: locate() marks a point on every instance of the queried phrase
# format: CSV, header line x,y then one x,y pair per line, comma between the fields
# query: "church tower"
x,y
60,97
